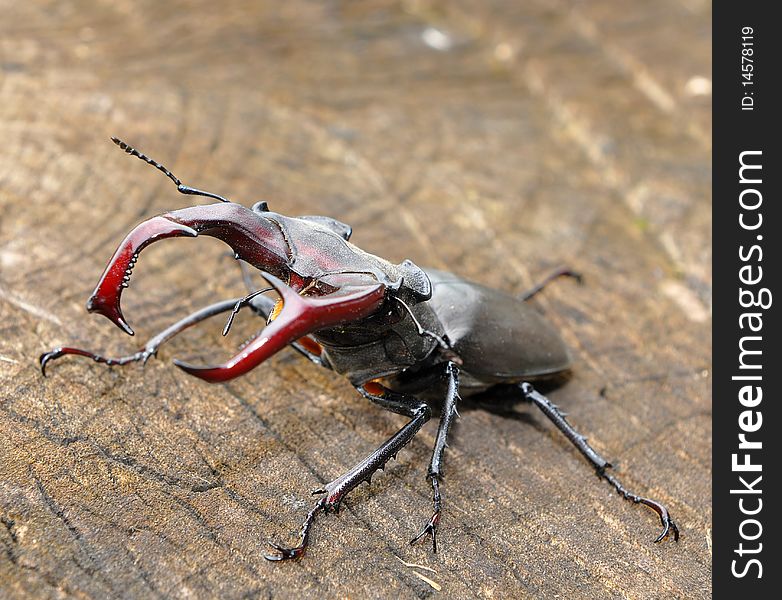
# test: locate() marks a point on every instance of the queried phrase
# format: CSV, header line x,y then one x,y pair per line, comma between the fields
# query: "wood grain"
x,y
497,140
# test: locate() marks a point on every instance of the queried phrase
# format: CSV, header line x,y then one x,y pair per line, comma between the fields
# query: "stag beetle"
x,y
395,331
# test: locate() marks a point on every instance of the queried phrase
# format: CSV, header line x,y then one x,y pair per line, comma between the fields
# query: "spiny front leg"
x,y
435,473
151,347
335,491
600,464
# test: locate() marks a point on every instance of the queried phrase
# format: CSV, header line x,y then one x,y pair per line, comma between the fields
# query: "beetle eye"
x,y
261,206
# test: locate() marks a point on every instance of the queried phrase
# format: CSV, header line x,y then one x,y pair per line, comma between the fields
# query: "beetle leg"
x,y
435,473
151,347
601,464
246,301
560,272
335,491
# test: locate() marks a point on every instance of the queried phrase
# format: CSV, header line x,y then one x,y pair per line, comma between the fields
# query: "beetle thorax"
x,y
381,345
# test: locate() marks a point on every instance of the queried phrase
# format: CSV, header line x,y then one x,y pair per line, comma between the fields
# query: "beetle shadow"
x,y
503,400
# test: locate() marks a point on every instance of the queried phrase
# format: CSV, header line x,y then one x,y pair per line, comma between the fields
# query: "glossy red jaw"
x,y
251,237
301,315
106,297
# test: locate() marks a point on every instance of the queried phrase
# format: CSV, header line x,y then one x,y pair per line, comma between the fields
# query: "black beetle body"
x,y
393,330
498,337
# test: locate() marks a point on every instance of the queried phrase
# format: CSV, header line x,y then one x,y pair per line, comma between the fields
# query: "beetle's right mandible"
x,y
252,238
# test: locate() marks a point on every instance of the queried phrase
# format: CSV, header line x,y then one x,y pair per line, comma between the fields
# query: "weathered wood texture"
x,y
497,140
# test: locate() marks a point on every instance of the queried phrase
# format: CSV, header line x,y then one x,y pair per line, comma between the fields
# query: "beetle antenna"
x,y
181,188
238,306
442,342
601,464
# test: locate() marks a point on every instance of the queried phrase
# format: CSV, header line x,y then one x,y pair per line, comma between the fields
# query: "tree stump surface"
x,y
497,140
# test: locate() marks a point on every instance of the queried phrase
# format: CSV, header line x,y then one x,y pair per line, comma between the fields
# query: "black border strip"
x,y
737,130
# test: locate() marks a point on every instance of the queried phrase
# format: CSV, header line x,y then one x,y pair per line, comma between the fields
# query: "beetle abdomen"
x,y
498,337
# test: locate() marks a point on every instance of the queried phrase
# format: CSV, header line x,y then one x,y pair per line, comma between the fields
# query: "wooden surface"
x,y
496,140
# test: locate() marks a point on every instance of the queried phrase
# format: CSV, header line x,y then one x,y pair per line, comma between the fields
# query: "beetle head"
x,y
252,238
330,282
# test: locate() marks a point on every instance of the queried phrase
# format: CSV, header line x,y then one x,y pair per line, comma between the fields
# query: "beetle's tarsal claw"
x,y
285,553
429,529
665,518
668,526
46,357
